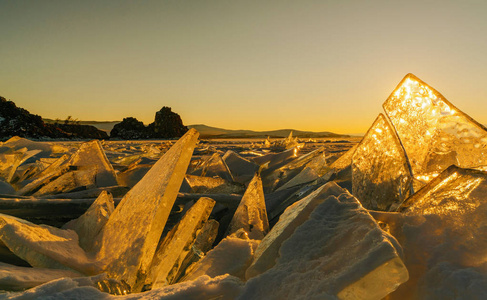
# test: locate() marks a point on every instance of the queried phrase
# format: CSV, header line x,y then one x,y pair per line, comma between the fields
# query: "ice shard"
x,y
91,155
210,185
44,246
305,176
203,243
231,256
92,221
345,160
47,175
214,167
15,278
381,174
435,133
339,251
442,230
267,253
68,182
455,191
11,160
16,143
129,239
280,174
177,244
274,159
242,169
251,214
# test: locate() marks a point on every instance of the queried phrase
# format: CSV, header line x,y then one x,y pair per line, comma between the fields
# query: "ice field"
x,y
398,214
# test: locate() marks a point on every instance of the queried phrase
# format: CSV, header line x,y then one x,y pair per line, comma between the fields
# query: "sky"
x,y
259,65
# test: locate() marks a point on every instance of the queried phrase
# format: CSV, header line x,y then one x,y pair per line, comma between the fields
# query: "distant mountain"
x,y
214,132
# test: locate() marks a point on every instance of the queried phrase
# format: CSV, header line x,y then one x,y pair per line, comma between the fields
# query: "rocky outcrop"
x,y
129,129
16,121
167,124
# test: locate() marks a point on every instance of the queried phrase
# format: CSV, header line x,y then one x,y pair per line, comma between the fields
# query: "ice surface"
x,y
268,251
242,169
214,167
223,287
435,133
91,155
129,239
15,278
44,246
340,251
251,214
92,221
177,244
231,256
210,185
73,288
381,174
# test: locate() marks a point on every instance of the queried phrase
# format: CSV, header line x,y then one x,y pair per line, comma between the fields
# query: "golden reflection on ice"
x,y
380,174
434,133
458,191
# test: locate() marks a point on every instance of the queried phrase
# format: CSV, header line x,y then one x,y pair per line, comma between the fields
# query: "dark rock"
x,y
16,121
167,124
130,129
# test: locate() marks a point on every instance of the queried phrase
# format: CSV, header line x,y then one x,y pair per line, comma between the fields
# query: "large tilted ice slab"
x,y
435,133
442,230
381,173
129,239
340,251
15,278
267,253
251,214
89,225
177,244
91,155
44,246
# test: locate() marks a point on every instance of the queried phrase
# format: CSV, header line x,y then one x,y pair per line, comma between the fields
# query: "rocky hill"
x,y
16,121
